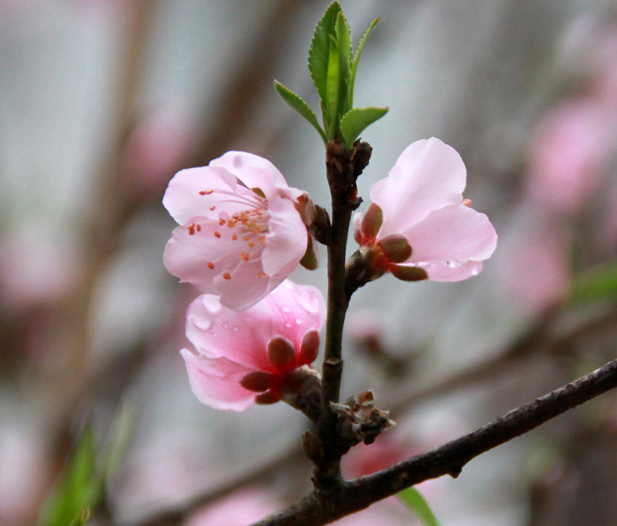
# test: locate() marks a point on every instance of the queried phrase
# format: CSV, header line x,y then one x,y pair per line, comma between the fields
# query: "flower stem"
x,y
343,167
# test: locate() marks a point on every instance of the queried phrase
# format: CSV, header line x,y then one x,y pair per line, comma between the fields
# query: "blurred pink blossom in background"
x,y
155,149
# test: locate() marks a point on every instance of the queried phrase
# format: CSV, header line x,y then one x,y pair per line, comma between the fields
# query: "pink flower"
x,y
240,235
419,226
259,350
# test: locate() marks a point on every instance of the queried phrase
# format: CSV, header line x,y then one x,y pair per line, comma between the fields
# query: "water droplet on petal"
x,y
298,321
288,325
202,323
225,325
234,328
285,309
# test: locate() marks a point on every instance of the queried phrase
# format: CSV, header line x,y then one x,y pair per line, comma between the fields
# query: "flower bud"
x,y
257,381
406,273
309,347
281,353
372,221
395,247
267,398
310,260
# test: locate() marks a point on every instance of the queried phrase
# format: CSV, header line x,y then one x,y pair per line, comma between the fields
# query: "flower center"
x,y
249,228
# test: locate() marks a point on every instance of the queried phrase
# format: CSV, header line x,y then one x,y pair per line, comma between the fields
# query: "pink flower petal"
x,y
287,240
428,175
295,309
216,382
183,199
205,254
455,233
255,172
289,311
217,331
443,272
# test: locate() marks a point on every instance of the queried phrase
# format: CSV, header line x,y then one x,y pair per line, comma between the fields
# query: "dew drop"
x,y
225,325
234,328
288,325
298,321
202,323
285,309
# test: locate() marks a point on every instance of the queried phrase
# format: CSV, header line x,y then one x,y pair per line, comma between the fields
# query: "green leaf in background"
x,y
82,518
356,120
319,52
80,486
300,106
595,285
412,498
356,59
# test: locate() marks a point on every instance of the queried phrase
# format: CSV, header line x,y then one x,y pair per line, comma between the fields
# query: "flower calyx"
x,y
291,379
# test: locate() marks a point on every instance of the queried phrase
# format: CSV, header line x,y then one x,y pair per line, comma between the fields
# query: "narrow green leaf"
x,y
82,517
80,486
343,39
300,106
358,119
120,438
413,499
342,34
319,52
332,91
354,64
595,285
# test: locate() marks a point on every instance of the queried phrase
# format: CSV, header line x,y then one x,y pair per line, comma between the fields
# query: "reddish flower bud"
x,y
309,347
395,247
371,222
310,260
257,381
405,273
267,398
281,353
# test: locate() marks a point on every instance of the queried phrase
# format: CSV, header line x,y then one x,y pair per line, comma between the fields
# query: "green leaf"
x,y
79,487
354,64
82,517
332,91
342,34
595,285
412,498
356,120
300,106
343,39
319,52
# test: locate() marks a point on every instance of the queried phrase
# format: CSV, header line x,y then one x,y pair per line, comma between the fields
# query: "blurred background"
x,y
101,102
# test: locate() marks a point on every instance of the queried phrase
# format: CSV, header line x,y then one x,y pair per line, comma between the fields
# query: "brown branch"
x,y
321,507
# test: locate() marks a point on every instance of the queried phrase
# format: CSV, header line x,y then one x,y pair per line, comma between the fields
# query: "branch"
x,y
320,508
